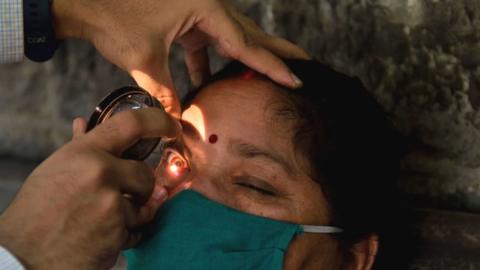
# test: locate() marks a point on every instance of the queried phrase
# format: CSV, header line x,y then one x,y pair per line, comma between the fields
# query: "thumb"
x,y
156,79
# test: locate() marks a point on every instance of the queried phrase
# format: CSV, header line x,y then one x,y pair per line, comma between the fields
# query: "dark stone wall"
x,y
420,59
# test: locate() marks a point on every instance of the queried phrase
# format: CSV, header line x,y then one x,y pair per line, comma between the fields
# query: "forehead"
x,y
252,104
244,94
241,109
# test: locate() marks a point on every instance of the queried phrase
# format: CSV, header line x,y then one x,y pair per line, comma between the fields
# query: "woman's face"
x,y
252,166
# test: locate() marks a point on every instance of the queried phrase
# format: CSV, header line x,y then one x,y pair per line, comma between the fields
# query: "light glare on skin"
x,y
195,115
173,169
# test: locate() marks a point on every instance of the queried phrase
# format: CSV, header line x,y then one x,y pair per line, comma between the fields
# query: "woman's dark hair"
x,y
354,152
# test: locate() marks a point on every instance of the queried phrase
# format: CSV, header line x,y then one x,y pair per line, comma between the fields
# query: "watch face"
x,y
126,98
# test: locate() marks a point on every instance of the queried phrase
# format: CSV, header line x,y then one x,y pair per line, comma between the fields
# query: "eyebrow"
x,y
248,150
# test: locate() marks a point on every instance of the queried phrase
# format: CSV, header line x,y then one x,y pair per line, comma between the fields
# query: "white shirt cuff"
x,y
8,261
11,31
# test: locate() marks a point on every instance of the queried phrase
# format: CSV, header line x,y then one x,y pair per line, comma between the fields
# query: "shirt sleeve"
x,y
11,31
8,261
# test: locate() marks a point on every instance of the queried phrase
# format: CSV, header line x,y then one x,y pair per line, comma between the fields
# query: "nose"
x,y
208,180
204,166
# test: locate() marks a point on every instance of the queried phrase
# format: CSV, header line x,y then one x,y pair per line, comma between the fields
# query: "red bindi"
x,y
213,138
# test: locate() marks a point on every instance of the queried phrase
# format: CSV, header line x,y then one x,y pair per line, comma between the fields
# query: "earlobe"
x,y
363,254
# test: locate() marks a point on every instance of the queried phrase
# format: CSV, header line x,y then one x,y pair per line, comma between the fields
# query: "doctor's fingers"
x,y
79,127
237,38
124,129
134,179
155,77
138,216
276,45
198,66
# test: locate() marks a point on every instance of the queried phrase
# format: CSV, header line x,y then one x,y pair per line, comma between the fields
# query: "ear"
x,y
363,253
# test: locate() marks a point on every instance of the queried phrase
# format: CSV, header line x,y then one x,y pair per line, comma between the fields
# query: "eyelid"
x,y
256,183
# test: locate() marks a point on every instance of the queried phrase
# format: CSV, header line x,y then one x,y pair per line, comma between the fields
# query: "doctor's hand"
x,y
83,204
137,36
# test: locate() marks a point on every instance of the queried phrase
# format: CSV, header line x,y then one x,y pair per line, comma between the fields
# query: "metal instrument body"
x,y
171,167
127,98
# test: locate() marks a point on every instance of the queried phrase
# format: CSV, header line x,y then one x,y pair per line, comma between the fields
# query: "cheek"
x,y
312,251
312,207
208,168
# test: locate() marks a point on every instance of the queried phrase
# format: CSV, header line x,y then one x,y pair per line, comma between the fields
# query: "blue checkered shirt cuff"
x,y
11,31
8,261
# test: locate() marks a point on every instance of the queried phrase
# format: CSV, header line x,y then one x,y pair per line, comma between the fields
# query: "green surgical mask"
x,y
195,233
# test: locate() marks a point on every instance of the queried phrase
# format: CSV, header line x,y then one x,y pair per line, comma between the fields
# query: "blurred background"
x,y
420,58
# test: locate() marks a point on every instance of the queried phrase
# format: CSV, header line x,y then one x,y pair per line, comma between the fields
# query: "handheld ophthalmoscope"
x,y
172,165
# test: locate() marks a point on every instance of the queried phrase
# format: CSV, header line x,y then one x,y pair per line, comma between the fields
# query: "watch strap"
x,y
40,41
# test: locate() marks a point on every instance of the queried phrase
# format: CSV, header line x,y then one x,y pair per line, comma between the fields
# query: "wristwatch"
x,y
40,42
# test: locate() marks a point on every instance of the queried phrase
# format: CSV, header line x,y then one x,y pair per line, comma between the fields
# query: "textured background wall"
x,y
420,58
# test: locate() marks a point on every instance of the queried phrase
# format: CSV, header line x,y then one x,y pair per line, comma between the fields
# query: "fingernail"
x,y
75,125
297,83
160,194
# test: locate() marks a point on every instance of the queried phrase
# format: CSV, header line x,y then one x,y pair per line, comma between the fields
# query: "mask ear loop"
x,y
321,229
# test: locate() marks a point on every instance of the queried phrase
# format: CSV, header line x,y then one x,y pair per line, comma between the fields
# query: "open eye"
x,y
173,171
175,163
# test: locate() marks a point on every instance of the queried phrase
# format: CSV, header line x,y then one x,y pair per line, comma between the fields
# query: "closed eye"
x,y
255,188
